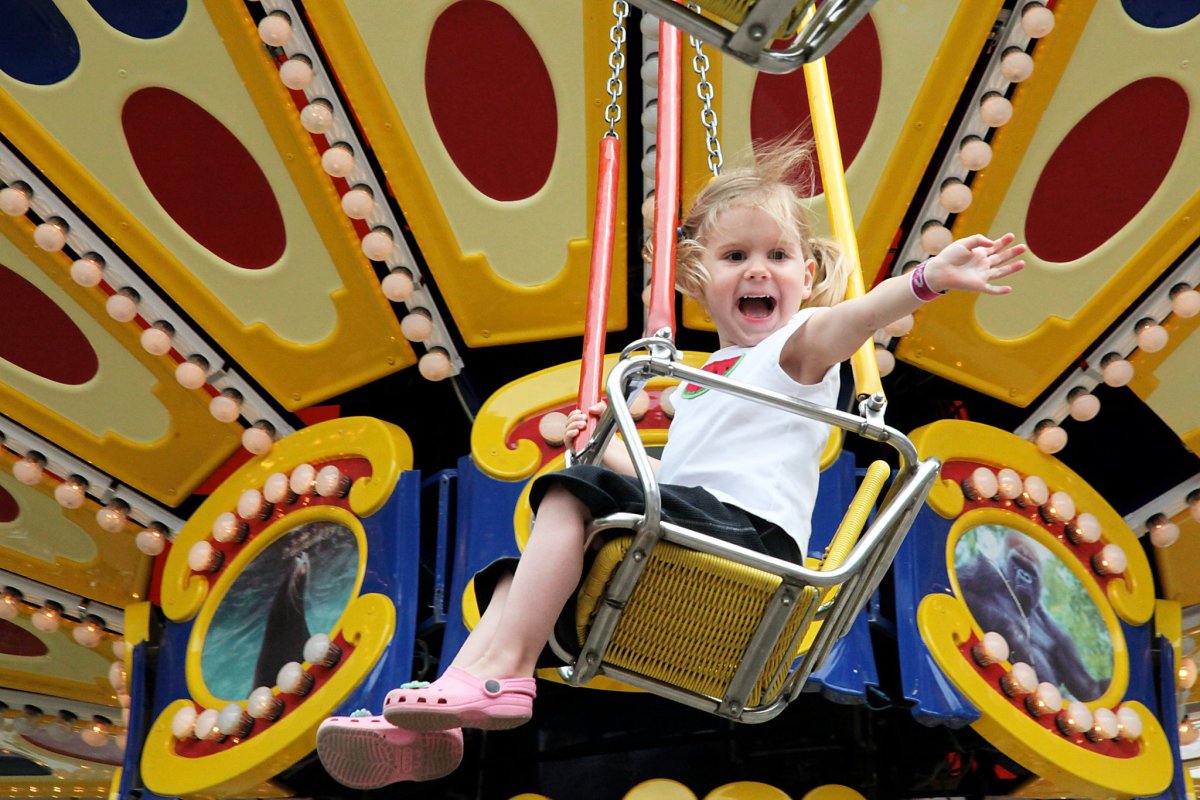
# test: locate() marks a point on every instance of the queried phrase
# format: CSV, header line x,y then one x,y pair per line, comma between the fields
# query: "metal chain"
x,y
616,60
708,116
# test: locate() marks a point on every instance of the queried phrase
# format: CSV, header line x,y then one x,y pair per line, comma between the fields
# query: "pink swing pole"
x,y
661,313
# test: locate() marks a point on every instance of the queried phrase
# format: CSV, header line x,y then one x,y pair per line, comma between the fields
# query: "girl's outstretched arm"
x,y
616,456
833,334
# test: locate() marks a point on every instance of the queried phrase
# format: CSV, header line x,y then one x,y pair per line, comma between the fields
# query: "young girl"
x,y
775,295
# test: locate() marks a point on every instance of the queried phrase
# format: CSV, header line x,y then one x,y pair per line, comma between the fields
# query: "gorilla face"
x,y
1021,570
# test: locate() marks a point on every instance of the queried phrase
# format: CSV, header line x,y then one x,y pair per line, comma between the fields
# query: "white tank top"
x,y
760,459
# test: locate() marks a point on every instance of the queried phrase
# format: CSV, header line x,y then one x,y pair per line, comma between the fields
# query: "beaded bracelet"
x,y
920,287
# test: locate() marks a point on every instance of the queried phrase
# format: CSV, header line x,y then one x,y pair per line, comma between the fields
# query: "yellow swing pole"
x,y
837,198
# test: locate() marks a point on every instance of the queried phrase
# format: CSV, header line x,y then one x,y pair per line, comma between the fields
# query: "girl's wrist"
x,y
919,283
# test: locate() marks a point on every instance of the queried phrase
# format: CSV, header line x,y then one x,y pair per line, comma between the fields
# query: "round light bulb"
x,y
417,326
156,340
552,427
259,438
203,557
72,492
303,478
666,400
228,528
1034,492
1036,20
883,358
639,406
1163,532
1151,337
338,161
47,619
398,285
277,489
1009,484
263,704
14,200
649,70
995,110
649,27
331,482
1104,725
296,73
116,676
1046,699
275,29
251,505
1129,723
1059,508
89,633
151,541
113,517
225,407
1050,438
900,327
935,237
991,649
955,196
1075,718
1084,529
1110,560
234,721
29,469
1116,370
94,734
1193,502
1020,680
118,648
435,365
1188,733
10,605
193,373
358,203
122,306
60,730
1083,406
88,270
1016,65
378,245
292,679
649,117
206,725
320,651
1186,673
974,153
1185,301
183,723
51,235
317,117
981,484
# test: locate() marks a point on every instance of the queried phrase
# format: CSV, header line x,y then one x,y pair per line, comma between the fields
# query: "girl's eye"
x,y
735,255
778,255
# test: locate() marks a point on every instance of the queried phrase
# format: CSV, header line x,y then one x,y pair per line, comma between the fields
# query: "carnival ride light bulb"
x,y
1104,725
358,203
320,651
156,340
88,270
51,235
10,604
192,373
1084,529
123,306
378,244
14,200
183,723
1020,680
1188,733
48,618
1075,718
1049,438
1082,405
1059,508
317,117
435,365
995,110
974,153
151,541
95,734
417,325
277,489
1163,532
303,479
1036,20
901,327
118,648
89,633
935,237
263,704
639,406
275,29
296,73
884,359
1034,492
251,505
113,516
226,407
228,528
955,196
1193,503
991,649
981,484
332,482
1185,301
61,729
1046,699
1115,370
1151,337
292,679
72,492
206,725
1110,560
234,721
1129,724
1008,484
649,70
553,428
259,438
28,470
1186,674
649,117
338,160
203,557
1016,65
116,675
649,27
398,285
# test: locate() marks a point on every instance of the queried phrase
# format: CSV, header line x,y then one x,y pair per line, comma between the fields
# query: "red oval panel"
x,y
491,99
10,509
16,641
779,104
1106,169
204,178
37,335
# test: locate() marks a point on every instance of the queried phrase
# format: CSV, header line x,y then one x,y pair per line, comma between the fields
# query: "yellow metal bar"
x,y
837,197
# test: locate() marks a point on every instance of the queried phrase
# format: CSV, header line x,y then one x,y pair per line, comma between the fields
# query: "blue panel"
x,y
142,19
920,569
1168,713
37,44
135,731
1161,13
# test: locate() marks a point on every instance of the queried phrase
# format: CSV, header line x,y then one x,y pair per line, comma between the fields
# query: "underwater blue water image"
x,y
295,588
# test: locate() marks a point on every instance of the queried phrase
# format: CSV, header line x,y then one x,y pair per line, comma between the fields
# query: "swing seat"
x,y
757,22
710,624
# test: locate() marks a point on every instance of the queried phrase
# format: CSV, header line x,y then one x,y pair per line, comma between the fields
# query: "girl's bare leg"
x,y
483,632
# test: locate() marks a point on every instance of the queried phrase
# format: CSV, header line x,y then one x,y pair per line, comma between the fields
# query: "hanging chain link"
x,y
704,90
616,60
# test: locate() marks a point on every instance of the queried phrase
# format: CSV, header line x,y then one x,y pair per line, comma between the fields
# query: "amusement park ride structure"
x,y
295,294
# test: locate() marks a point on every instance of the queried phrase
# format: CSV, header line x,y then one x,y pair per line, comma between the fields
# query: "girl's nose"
x,y
756,268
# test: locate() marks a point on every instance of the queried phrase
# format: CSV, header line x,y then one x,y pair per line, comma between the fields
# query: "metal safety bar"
x,y
856,577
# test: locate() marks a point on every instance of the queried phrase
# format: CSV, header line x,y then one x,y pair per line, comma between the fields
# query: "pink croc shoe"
x,y
365,752
460,700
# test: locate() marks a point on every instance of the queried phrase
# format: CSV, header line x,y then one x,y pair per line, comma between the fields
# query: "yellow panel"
x,y
1177,563
1013,348
68,669
1169,382
312,325
509,271
132,419
69,777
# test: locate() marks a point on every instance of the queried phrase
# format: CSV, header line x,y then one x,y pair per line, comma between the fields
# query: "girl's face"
x,y
757,278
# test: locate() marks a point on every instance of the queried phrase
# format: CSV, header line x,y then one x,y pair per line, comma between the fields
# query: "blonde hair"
x,y
769,183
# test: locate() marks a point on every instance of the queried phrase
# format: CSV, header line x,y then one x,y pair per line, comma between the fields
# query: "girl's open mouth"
x,y
756,306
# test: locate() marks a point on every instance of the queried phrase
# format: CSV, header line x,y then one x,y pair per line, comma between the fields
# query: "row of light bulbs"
x,y
339,161
254,505
1042,699
552,426
60,727
236,719
48,618
124,305
1053,507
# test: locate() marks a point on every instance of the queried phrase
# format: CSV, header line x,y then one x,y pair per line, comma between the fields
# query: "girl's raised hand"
x,y
973,263
577,420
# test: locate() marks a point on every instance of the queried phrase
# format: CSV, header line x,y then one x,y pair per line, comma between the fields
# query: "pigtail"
x,y
832,273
